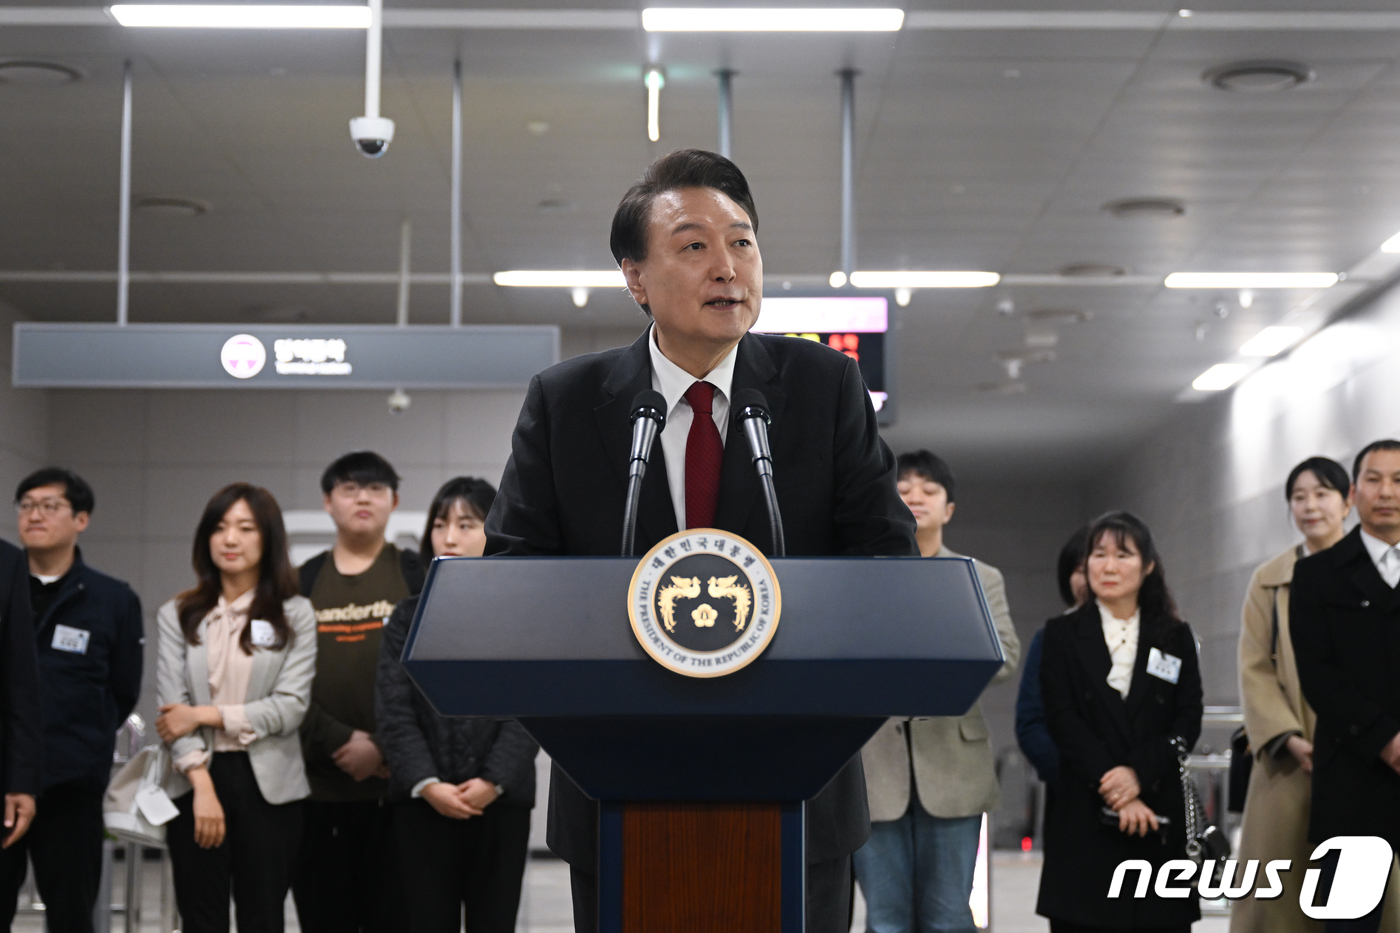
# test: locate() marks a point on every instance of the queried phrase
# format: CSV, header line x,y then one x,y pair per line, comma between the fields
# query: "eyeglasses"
x,y
48,507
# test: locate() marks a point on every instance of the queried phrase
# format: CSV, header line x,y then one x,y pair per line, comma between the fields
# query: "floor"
x,y
545,904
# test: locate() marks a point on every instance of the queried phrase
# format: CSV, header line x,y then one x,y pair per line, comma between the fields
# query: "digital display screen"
x,y
856,325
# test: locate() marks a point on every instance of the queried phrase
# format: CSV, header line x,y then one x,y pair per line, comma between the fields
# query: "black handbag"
x,y
1204,842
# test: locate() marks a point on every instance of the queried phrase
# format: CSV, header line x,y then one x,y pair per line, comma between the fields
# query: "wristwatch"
x,y
500,790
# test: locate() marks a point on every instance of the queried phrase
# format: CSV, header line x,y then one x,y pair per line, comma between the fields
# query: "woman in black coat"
x,y
1121,681
462,787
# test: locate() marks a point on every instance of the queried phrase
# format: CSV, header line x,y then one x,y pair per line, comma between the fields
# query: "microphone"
x,y
751,408
648,418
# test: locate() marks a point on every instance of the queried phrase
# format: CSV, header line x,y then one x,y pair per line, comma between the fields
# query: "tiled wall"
x,y
154,458
24,424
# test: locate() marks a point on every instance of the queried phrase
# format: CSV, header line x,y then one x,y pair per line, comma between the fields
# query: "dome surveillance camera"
x,y
399,400
372,135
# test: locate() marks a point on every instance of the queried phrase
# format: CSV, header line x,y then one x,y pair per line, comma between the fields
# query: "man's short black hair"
x,y
363,467
75,488
928,465
1388,443
684,168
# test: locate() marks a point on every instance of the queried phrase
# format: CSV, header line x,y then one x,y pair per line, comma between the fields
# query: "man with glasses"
x,y
347,879
89,637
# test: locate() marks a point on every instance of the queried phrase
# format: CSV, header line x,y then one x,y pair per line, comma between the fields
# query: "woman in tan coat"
x,y
1277,718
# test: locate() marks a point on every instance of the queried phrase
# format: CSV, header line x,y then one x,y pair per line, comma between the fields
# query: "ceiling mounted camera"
x,y
372,135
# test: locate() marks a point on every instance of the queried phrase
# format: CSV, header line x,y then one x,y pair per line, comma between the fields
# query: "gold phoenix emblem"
x,y
729,587
705,616
678,588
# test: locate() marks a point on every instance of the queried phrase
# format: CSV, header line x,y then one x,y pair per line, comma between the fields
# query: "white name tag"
x,y
263,634
155,805
74,640
1165,666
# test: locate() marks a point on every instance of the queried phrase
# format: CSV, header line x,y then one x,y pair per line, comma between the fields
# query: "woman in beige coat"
x,y
1277,718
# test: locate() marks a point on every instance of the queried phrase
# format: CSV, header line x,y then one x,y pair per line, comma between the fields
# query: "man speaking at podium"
x,y
686,239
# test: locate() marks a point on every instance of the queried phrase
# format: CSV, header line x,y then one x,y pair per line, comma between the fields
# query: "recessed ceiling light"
x,y
1059,316
1251,280
168,206
1145,207
1091,270
565,278
211,16
1271,341
1220,376
739,19
35,71
916,279
1258,77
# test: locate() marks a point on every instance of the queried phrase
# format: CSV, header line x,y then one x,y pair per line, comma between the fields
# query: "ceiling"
x,y
992,146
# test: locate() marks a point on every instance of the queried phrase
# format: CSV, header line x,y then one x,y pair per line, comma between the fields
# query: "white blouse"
x,y
1121,637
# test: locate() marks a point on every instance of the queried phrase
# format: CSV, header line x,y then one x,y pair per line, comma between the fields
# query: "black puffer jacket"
x,y
418,743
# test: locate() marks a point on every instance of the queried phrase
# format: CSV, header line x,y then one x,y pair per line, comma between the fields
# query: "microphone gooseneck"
x,y
648,418
751,408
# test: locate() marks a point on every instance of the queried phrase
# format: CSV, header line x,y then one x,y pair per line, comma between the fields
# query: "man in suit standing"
x,y
916,870
21,726
685,237
1344,608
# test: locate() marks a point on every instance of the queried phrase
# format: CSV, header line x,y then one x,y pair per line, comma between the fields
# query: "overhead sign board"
x,y
301,356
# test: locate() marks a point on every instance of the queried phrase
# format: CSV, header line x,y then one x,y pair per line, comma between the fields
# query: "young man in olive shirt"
x,y
347,879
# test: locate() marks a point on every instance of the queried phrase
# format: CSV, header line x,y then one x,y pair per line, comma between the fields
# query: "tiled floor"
x,y
545,904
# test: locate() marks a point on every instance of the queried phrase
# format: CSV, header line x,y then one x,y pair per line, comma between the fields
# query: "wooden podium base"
x,y
701,868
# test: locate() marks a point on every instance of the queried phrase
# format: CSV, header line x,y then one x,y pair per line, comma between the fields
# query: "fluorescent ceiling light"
x,y
924,279
1220,376
564,278
740,19
655,81
1271,341
1391,245
1251,280
191,16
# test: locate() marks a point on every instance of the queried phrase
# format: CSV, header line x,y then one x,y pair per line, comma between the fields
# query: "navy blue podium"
x,y
701,781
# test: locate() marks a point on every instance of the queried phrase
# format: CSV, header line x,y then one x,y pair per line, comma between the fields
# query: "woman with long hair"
x,y
462,787
237,653
1277,718
1122,689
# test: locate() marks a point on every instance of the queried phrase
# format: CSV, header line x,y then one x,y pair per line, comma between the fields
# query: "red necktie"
x,y
703,455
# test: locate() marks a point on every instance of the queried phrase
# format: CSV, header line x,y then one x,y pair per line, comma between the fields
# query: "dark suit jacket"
x,y
564,488
1096,729
1345,624
21,720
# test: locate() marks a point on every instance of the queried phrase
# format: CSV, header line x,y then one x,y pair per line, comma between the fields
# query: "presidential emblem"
x,y
704,603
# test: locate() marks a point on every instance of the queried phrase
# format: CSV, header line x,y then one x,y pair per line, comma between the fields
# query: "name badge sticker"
x,y
1165,666
264,636
72,640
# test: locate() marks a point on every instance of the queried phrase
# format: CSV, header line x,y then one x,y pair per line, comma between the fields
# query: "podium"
x,y
701,782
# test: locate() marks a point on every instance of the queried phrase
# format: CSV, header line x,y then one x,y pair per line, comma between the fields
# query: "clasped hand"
x,y
1119,789
360,758
177,720
460,801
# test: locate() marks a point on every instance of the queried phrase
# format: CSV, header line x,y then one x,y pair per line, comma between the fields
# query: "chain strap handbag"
x,y
1204,843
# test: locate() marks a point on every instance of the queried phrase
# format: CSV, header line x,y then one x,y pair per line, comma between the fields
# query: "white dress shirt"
x,y
1121,637
1386,557
672,382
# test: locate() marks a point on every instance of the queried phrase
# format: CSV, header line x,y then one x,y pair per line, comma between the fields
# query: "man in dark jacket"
x,y
1344,608
21,735
685,239
89,637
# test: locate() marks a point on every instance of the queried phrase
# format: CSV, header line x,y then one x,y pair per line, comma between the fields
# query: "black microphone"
x,y
648,418
751,408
